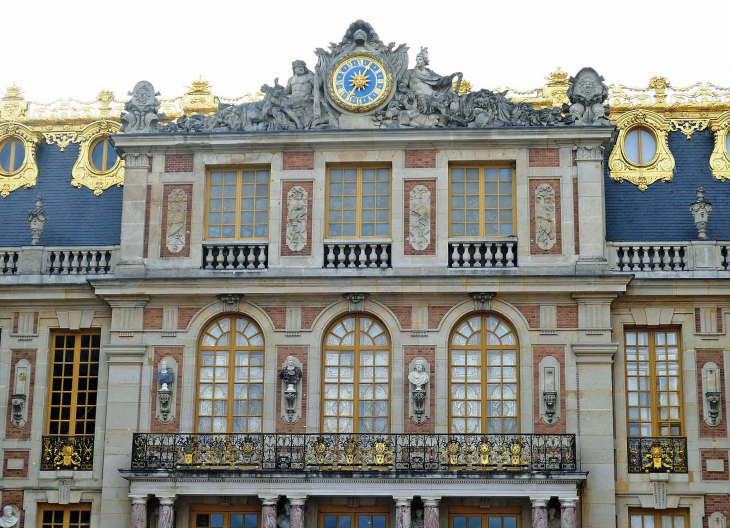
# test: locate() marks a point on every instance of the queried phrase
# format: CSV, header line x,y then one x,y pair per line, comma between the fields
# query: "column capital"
x,y
402,501
138,499
431,501
166,499
539,503
297,500
269,500
568,502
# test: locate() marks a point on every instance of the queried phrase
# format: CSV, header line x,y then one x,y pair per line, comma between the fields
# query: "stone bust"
x,y
553,520
419,377
164,376
9,518
290,374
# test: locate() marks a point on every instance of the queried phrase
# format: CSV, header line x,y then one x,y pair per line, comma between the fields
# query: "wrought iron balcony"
x,y
68,452
356,453
658,455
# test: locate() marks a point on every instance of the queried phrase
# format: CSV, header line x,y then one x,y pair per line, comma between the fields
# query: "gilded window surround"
x,y
84,174
661,167
720,158
27,175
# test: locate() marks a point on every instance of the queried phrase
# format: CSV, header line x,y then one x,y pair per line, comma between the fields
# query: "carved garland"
x,y
720,158
84,173
660,168
27,175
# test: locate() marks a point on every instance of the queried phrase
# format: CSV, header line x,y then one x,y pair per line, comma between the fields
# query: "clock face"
x,y
360,83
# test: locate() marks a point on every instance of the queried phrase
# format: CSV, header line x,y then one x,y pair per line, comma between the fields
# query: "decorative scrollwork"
x,y
67,452
720,157
84,173
688,126
62,139
26,174
657,455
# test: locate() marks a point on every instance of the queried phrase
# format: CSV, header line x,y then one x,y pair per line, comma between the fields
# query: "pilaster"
x,y
591,208
131,251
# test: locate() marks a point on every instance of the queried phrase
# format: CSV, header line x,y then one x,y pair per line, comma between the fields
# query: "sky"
x,y
77,48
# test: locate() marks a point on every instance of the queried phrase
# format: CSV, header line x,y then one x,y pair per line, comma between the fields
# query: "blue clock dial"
x,y
360,83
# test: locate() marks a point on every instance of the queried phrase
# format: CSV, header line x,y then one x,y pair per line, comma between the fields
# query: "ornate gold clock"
x,y
360,82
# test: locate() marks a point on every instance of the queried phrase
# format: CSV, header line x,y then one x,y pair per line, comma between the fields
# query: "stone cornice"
x,y
598,353
124,353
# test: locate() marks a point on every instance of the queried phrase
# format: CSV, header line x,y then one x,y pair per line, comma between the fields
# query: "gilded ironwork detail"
x,y
657,455
661,167
62,139
688,126
343,452
720,157
67,452
84,173
26,175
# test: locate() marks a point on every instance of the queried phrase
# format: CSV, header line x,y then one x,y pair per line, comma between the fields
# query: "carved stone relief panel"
x,y
420,218
177,210
296,218
545,225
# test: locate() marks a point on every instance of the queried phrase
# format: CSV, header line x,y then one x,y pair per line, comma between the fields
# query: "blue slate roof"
x,y
661,213
75,216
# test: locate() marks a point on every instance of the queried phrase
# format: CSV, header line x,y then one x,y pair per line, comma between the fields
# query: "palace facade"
x,y
372,298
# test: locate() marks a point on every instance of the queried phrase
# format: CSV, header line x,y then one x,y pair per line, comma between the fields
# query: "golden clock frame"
x,y
720,157
370,106
27,175
84,174
661,166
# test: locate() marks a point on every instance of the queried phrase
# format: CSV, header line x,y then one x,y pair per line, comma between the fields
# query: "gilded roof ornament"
x,y
13,105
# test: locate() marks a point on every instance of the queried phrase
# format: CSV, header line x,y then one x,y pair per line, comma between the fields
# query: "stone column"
x,y
591,207
268,510
539,513
139,511
402,512
431,512
567,513
167,512
296,512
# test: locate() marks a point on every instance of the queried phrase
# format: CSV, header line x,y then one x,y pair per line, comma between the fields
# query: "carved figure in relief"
x,y
290,374
545,216
587,94
10,517
420,218
283,518
164,376
419,377
37,217
417,518
177,210
553,518
296,218
142,110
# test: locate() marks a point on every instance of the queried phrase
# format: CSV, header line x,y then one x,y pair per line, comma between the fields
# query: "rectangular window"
x,y
482,201
238,204
659,519
653,382
461,517
358,202
74,382
69,516
216,516
346,517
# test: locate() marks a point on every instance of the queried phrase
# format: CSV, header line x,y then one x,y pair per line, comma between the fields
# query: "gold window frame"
x,y
226,511
482,206
26,175
356,370
358,201
720,157
231,348
467,511
66,509
658,514
653,380
484,366
353,512
84,173
75,378
661,167
239,183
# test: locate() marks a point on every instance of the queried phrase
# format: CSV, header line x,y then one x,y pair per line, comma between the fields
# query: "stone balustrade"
x,y
236,256
496,253
657,257
91,261
8,261
357,254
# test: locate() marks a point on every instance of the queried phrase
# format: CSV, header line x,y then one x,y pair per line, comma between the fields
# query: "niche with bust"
x,y
166,390
419,399
291,390
549,390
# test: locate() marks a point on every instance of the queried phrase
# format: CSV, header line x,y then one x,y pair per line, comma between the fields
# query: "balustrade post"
x,y
455,256
373,255
139,511
296,511
677,258
262,257
384,256
488,256
510,255
539,513
363,256
431,512
351,257
645,264
498,256
251,257
330,255
167,512
229,258
341,256
402,512
667,261
567,512
268,510
635,259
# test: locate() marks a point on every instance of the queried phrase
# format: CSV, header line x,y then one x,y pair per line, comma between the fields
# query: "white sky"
x,y
75,48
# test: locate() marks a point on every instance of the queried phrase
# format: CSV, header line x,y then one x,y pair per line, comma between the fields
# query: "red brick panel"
x,y
719,319
716,503
300,353
175,353
21,433
532,314
11,497
716,357
431,186
544,157
147,205
152,319
436,314
420,159
184,316
277,315
576,217
166,190
286,187
404,315
711,454
16,473
539,353
698,323
567,316
557,249
429,354
299,160
309,314
178,163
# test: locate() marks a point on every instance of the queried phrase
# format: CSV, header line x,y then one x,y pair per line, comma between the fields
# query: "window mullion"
x,y
358,204
654,389
231,360
356,378
482,204
75,384
239,208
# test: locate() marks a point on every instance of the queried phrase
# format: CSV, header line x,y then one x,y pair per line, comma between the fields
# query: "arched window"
x,y
230,377
356,381
483,378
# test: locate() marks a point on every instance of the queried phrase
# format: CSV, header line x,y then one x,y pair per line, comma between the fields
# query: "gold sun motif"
x,y
360,81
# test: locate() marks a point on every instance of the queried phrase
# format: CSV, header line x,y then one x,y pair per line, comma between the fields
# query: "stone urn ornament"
x,y
700,209
37,218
